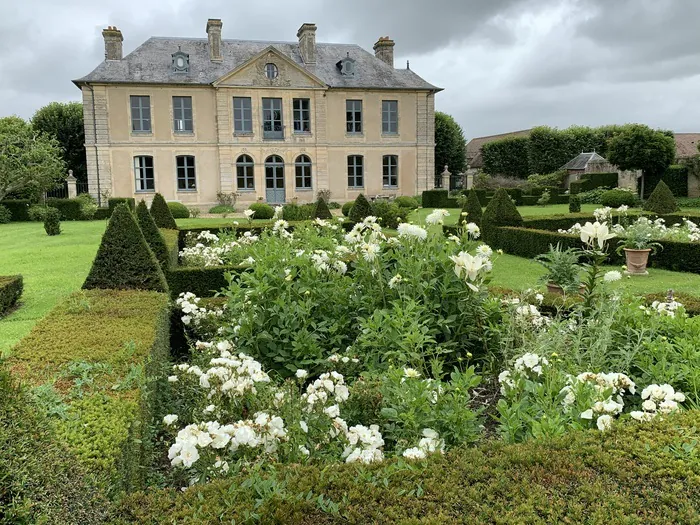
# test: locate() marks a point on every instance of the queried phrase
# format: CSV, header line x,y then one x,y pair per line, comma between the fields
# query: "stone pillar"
x,y
445,184
72,185
470,181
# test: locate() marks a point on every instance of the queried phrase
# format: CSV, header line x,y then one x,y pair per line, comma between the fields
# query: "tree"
x,y
450,147
64,122
30,162
638,147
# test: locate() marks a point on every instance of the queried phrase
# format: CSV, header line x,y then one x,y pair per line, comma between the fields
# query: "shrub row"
x,y
70,209
171,238
635,473
19,208
201,281
113,202
11,288
438,199
123,337
591,181
675,177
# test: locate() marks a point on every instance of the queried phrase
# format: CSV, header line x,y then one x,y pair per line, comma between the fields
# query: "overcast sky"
x,y
505,64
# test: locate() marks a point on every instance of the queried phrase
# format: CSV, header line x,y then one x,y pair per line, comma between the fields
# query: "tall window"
x,y
182,114
302,167
143,171
355,171
390,169
302,116
140,113
353,116
390,116
272,118
185,173
242,115
245,173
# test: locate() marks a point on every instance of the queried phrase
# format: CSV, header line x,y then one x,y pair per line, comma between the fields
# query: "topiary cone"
x,y
124,260
152,235
472,208
360,209
321,210
161,213
661,201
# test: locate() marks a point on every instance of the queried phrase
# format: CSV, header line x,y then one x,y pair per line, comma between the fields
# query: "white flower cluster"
x,y
280,228
193,313
325,224
530,314
337,358
658,399
526,366
322,261
203,255
608,390
612,276
365,444
472,268
411,231
430,443
603,214
667,308
437,217
330,385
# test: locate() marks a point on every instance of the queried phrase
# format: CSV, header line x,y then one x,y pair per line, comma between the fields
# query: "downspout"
x,y
97,158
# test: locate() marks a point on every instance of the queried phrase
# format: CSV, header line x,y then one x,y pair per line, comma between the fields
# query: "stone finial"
x,y
72,185
214,26
446,171
307,43
113,43
70,176
384,50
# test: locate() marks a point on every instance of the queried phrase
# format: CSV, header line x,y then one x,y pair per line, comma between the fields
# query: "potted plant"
x,y
562,269
637,243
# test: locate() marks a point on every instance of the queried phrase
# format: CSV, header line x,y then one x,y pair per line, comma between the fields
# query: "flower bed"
x,y
10,291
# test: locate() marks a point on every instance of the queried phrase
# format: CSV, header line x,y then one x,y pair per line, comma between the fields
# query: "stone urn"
x,y
555,289
637,261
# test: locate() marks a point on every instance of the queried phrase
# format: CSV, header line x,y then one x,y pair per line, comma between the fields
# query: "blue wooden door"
x,y
274,180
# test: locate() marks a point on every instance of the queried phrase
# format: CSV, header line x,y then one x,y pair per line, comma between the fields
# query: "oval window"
x,y
271,71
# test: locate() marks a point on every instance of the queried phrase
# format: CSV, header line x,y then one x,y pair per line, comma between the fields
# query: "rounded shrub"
x,y
298,212
618,197
262,210
52,221
347,207
661,200
389,214
5,215
179,210
406,202
574,204
37,213
360,209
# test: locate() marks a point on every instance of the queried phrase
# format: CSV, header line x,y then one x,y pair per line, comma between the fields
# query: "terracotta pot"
x,y
637,261
558,290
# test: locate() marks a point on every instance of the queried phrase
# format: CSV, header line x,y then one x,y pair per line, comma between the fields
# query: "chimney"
x,y
113,43
384,50
307,43
214,32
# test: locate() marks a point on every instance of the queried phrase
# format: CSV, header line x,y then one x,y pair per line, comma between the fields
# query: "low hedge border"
x,y
172,239
70,209
591,181
120,339
241,228
11,288
19,209
566,221
201,281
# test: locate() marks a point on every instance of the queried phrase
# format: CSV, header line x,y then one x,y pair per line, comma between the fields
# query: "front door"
x,y
274,180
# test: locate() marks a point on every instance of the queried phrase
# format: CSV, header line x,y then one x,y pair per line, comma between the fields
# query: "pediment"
x,y
252,73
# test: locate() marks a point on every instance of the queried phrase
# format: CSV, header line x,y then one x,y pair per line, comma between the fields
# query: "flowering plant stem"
x,y
593,271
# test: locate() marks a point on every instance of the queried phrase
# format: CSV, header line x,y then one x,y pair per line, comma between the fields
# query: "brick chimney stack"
x,y
307,43
384,50
113,43
214,32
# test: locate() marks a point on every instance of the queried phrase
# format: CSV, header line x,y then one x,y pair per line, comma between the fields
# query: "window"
x,y
353,112
271,71
272,118
355,171
390,169
245,173
140,113
143,170
302,115
242,115
185,173
182,114
303,172
390,116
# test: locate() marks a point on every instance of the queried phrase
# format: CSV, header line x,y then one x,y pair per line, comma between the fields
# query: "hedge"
x,y
675,177
122,337
103,213
11,288
178,210
507,157
171,238
153,235
439,199
591,181
19,208
71,209
634,473
113,202
201,281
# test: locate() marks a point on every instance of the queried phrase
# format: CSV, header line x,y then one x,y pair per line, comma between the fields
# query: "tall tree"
x,y
30,161
450,147
64,121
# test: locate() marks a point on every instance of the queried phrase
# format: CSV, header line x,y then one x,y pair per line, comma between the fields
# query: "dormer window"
x,y
346,66
271,71
181,62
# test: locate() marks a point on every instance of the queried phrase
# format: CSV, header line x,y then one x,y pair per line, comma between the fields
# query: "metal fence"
x,y
61,192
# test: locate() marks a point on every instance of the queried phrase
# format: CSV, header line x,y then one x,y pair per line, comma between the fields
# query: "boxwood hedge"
x,y
11,287
19,208
201,281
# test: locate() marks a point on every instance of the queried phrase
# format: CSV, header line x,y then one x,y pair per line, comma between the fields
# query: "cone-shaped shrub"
x,y
152,235
321,210
124,261
360,209
501,211
661,200
161,213
472,207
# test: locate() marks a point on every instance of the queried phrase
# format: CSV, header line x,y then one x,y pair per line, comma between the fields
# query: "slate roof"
x,y
581,161
151,63
474,158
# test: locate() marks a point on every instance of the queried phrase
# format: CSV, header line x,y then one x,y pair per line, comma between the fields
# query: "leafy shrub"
x,y
152,234
406,202
37,212
5,215
226,199
10,291
360,209
618,197
347,207
194,211
544,198
321,210
113,202
161,213
324,195
389,214
661,200
334,205
199,280
591,196
472,207
179,210
124,260
574,204
297,212
483,181
591,181
685,202
222,208
19,208
262,210
548,180
52,222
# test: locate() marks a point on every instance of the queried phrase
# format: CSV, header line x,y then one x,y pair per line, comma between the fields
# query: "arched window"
x,y
390,168
143,171
245,175
186,179
302,167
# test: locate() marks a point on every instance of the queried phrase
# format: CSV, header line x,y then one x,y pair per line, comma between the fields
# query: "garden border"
x,y
11,288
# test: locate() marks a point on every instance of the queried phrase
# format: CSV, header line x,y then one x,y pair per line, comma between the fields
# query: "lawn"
x,y
420,214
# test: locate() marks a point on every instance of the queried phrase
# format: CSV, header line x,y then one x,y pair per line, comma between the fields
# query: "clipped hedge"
x,y
113,202
179,210
153,235
507,157
19,208
661,200
675,177
591,181
11,288
438,199
201,281
70,209
161,213
635,473
171,238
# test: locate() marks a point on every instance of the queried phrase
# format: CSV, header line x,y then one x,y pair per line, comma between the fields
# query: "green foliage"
x,y
298,212
592,181
64,122
5,215
591,196
194,211
574,204
171,238
113,202
124,260
52,222
675,177
10,291
639,147
562,267
544,198
437,199
153,235
360,209
161,213
19,209
222,208
404,201
389,214
450,147
321,210
472,207
661,200
30,162
178,210
500,212
201,281
617,197
507,157
70,209
549,148
347,207
262,211
549,180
